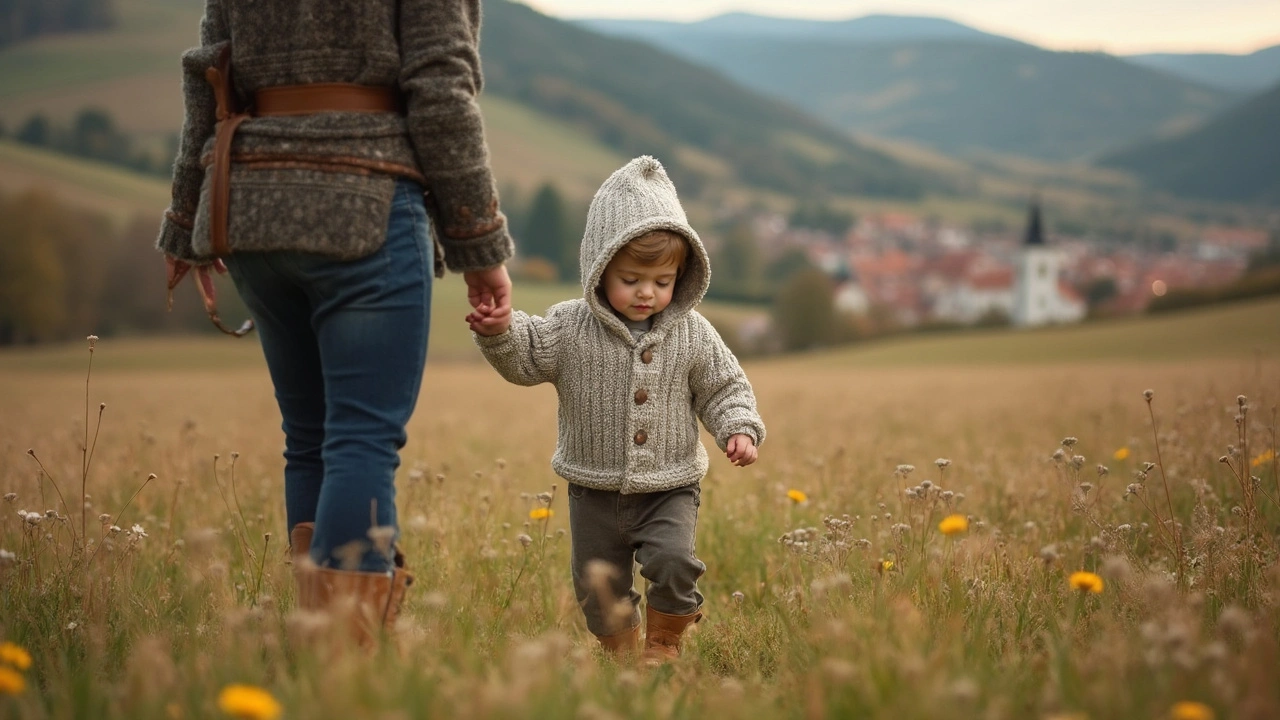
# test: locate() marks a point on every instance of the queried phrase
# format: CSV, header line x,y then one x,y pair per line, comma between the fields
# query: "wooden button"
x,y
641,396
646,357
641,437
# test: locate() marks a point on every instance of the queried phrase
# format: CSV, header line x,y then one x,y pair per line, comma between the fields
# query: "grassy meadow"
x,y
849,603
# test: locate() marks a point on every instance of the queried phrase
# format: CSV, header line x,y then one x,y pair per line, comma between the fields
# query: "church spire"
x,y
1035,233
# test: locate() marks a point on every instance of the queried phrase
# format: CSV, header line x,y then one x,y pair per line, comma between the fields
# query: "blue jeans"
x,y
345,343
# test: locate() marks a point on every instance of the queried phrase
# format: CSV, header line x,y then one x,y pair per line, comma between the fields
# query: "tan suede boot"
x,y
621,646
300,556
368,603
663,633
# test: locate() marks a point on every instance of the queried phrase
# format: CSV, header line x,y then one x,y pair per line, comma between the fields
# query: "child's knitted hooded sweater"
x,y
629,408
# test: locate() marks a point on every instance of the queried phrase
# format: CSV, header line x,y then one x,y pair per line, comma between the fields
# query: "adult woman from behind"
x,y
313,129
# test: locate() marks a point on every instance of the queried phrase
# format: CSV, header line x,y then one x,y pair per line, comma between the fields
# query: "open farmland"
x,y
881,617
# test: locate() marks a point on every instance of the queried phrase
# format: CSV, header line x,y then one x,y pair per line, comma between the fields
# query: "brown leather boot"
x,y
663,633
367,602
623,645
300,556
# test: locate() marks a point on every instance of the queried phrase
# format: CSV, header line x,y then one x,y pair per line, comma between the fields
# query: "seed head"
x,y
544,497
524,540
1069,441
738,596
1148,394
1103,470
942,462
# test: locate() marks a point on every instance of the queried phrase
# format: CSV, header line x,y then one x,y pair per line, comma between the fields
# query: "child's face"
x,y
638,291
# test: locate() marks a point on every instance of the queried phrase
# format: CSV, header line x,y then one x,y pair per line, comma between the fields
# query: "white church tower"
x,y
1035,289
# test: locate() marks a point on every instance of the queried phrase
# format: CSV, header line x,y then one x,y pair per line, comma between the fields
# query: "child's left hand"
x,y
741,450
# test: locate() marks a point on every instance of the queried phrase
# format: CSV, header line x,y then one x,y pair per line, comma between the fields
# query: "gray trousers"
x,y
611,532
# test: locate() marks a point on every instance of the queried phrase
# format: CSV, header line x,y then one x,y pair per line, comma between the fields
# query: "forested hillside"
x,y
1236,157
955,92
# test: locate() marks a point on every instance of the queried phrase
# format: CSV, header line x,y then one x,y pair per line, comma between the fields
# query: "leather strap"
x,y
281,100
219,76
325,97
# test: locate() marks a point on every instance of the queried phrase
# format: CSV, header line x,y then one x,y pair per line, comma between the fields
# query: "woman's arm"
x,y
440,77
197,127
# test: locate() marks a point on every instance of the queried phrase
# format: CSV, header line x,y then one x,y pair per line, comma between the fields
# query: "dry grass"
x,y
981,624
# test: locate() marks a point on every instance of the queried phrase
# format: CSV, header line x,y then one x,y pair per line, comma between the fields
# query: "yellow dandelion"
x,y
1085,582
886,565
541,513
15,655
247,702
1262,459
11,681
797,496
1187,710
1121,454
953,524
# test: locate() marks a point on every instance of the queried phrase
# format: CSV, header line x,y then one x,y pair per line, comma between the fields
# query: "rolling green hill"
x,y
955,94
1235,157
603,100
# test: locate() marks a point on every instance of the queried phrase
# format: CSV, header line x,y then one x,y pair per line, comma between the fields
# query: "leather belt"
x,y
274,101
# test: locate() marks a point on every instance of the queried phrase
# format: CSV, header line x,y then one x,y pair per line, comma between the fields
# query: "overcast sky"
x,y
1116,26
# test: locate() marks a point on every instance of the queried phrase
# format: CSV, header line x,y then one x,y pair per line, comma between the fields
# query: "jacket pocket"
x,y
338,214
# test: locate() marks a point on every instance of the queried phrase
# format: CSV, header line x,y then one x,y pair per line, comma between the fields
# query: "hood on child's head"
x,y
636,199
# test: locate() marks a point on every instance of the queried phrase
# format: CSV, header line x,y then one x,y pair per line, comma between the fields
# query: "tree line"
x,y
25,19
66,272
94,135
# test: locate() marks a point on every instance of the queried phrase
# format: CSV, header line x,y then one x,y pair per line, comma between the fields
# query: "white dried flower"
x,y
114,529
137,530
738,596
1148,394
104,518
1058,455
1069,441
544,497
10,497
7,558
524,539
942,462
905,470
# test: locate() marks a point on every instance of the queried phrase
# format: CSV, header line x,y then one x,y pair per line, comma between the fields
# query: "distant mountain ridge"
x,y
868,28
1236,157
1245,73
637,99
956,93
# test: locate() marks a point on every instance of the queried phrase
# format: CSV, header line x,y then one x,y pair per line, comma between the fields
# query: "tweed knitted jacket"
x,y
324,182
629,409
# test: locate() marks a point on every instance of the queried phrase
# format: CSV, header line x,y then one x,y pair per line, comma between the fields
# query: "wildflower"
x,y
544,497
11,682
10,497
953,524
541,513
248,703
886,565
904,470
1085,582
738,596
137,530
797,496
1188,710
524,540
15,655
1265,457
942,462
1148,394
1120,455
1069,441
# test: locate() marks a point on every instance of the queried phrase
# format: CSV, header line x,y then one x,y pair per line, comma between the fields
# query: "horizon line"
x,y
1100,46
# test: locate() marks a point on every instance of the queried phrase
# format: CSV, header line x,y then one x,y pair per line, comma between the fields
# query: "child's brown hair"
x,y
658,247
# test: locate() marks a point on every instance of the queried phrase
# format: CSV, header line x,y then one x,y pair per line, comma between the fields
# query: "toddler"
x,y
635,367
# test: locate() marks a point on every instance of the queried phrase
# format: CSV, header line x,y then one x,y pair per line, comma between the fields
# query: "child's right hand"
x,y
482,321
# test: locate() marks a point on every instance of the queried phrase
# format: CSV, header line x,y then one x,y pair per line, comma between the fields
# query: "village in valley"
x,y
934,273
